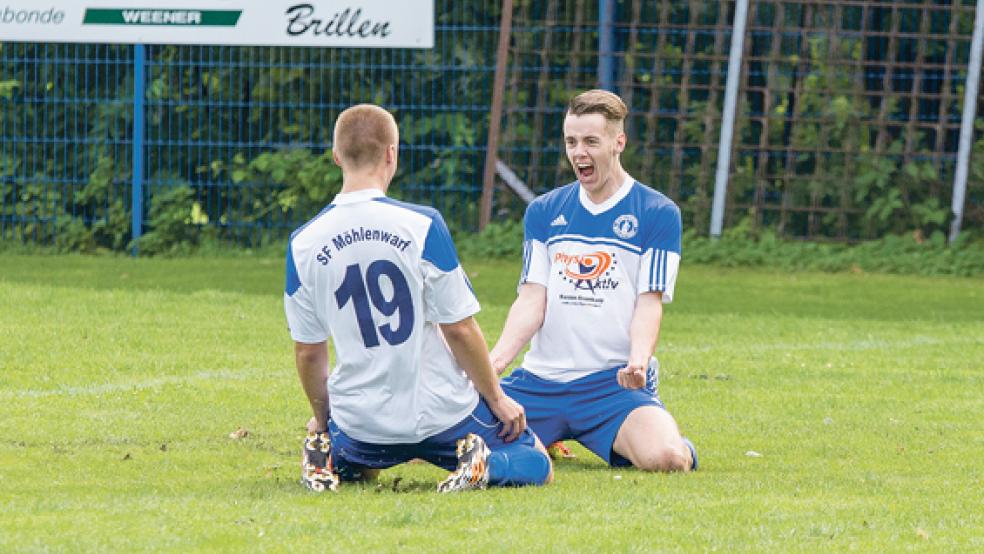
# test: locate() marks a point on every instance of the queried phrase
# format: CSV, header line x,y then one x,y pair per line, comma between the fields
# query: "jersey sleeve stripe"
x,y
662,269
658,254
659,269
293,280
652,269
662,274
527,248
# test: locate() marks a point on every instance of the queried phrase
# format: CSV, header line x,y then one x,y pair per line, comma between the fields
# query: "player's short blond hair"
x,y
362,135
598,101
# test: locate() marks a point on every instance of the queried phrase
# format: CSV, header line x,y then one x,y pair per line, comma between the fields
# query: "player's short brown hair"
x,y
608,104
362,135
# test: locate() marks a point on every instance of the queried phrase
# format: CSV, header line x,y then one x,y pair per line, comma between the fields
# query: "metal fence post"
x,y
139,90
495,118
728,117
606,44
967,122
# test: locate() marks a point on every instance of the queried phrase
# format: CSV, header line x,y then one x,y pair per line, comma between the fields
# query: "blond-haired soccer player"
x,y
412,377
600,260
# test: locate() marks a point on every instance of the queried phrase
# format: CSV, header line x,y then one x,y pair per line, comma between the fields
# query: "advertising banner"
x,y
319,23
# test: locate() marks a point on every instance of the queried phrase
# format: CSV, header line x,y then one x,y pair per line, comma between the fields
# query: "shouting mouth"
x,y
584,170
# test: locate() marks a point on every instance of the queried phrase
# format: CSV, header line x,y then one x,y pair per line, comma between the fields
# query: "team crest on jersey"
x,y
591,271
626,226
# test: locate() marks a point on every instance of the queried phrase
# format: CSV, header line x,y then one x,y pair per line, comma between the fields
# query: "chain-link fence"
x,y
233,141
847,121
848,112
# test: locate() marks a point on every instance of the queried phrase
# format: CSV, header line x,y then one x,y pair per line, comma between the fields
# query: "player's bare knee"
x,y
550,470
663,458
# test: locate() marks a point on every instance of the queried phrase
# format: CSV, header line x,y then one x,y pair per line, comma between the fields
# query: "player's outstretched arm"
x,y
470,351
524,320
312,368
643,334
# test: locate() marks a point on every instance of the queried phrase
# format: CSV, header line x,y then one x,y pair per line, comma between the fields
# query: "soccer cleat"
x,y
317,470
473,466
559,450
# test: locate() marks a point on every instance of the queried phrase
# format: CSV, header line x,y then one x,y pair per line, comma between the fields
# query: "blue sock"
x,y
518,465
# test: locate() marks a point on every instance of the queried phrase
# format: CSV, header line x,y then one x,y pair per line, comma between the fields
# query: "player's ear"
x,y
334,158
620,141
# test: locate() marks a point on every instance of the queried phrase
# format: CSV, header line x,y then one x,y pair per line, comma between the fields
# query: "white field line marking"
x,y
128,386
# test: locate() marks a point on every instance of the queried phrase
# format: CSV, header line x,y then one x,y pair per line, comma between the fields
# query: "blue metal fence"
x,y
99,141
65,140
213,112
84,156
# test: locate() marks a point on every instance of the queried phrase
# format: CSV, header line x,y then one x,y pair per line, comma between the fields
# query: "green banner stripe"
x,y
193,18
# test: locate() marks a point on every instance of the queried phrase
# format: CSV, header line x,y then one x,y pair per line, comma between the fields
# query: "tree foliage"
x,y
237,139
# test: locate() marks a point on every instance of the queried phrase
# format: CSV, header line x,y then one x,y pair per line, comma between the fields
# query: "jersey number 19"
x,y
361,291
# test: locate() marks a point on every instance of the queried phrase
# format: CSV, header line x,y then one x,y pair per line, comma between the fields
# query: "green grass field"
x,y
121,381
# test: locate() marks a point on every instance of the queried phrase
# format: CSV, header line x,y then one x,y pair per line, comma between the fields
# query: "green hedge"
x,y
740,247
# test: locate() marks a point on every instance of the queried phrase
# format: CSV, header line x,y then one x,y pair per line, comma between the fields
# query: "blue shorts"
x,y
589,410
351,456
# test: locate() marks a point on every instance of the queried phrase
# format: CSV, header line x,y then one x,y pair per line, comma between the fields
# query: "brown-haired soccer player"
x,y
600,260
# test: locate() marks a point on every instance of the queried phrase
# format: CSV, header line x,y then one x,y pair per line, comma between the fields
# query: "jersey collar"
x,y
357,196
595,209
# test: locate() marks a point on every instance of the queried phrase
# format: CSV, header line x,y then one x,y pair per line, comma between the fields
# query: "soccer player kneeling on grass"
x,y
600,260
412,377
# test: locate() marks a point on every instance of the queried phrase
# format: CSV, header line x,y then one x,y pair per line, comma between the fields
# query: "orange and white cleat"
x,y
317,469
473,466
559,450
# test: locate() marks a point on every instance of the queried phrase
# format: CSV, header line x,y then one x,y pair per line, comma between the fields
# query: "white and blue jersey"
x,y
594,260
378,276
